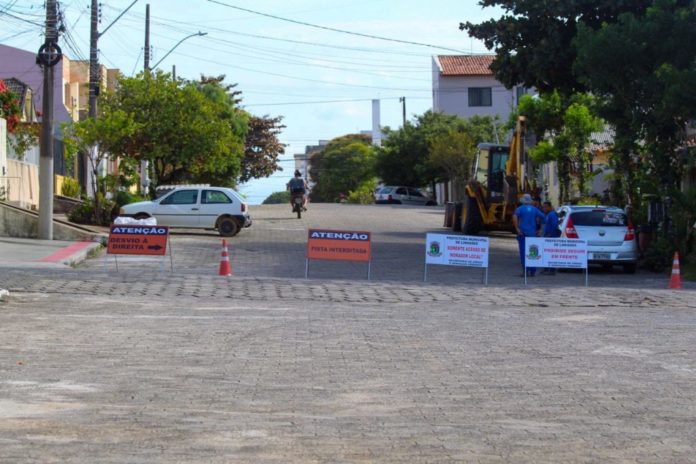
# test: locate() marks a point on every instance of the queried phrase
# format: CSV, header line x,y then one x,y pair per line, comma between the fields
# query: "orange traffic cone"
x,y
675,280
225,267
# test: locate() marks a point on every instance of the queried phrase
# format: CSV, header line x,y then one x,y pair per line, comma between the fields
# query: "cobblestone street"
x,y
147,366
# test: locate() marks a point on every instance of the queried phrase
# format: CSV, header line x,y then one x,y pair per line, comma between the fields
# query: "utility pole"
x,y
94,71
94,81
49,55
95,78
146,55
174,72
144,165
403,109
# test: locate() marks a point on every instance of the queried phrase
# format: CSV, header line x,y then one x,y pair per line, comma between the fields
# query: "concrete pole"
x,y
376,126
45,230
94,83
144,165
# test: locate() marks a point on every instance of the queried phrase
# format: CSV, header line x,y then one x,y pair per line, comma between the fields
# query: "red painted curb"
x,y
64,253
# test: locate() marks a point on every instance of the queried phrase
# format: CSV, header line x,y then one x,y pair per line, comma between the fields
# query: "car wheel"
x,y
228,227
629,268
141,216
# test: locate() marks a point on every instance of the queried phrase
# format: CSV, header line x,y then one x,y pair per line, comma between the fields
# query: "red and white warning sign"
x,y
138,240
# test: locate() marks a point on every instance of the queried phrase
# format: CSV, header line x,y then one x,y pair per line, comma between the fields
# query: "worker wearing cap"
x,y
526,220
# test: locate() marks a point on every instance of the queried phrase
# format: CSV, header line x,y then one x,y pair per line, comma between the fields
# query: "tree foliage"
x,y
564,127
405,156
636,56
262,147
533,40
342,166
453,153
189,131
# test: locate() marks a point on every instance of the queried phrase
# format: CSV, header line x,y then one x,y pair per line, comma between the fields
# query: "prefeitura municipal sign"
x,y
456,250
556,253
138,240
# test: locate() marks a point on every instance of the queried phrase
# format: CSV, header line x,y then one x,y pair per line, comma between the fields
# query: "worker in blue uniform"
x,y
526,221
550,230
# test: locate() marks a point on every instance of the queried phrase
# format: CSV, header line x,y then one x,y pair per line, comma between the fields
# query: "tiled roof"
x,y
465,65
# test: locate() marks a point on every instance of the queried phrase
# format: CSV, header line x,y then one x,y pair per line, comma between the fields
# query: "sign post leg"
x,y
425,273
369,269
525,275
587,276
485,278
306,269
116,261
171,258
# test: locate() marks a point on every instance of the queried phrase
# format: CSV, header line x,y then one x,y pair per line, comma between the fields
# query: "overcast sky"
x,y
320,81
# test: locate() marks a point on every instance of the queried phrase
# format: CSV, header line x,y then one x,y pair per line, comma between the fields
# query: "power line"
x,y
326,28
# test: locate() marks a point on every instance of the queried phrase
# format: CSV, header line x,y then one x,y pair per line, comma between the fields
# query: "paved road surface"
x,y
144,366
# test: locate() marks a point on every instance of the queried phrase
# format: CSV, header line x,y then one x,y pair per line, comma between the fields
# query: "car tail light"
x,y
244,207
570,229
630,233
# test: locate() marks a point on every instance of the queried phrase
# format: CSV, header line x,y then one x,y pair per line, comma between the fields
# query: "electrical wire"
x,y
332,29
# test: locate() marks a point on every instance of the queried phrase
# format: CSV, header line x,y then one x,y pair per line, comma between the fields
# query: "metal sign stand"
x,y
485,274
369,269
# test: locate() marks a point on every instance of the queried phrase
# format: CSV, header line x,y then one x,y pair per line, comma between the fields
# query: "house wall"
x,y
451,96
21,64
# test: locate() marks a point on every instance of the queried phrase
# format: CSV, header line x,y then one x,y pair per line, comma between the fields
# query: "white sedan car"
x,y
195,208
610,236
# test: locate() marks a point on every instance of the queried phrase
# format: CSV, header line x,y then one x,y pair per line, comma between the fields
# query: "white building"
x,y
464,85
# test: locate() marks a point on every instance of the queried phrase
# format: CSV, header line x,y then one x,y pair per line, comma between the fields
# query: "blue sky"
x,y
320,81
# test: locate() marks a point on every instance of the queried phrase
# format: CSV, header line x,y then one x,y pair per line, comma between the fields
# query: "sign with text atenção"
x,y
559,253
456,250
339,245
137,240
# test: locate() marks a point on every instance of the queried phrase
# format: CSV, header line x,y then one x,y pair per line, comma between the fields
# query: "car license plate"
x,y
601,255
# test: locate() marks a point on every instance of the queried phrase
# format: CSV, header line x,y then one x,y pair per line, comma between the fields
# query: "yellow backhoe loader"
x,y
499,178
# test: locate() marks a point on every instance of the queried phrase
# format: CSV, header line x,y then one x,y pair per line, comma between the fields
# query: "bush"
x,y
124,197
277,198
364,194
85,213
659,255
70,188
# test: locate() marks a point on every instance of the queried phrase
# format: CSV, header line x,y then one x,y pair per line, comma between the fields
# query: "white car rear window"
x,y
599,218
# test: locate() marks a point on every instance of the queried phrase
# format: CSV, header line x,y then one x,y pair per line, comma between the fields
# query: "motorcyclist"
x,y
298,186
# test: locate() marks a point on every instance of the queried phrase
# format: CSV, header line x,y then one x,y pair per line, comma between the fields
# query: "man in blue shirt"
x,y
551,229
526,221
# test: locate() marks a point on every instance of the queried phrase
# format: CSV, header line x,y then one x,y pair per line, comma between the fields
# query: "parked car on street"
x,y
195,207
609,233
400,195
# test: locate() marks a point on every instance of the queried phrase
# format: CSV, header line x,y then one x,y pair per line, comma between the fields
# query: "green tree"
x,y
564,127
262,147
187,131
106,135
452,153
277,198
342,166
644,75
533,39
405,156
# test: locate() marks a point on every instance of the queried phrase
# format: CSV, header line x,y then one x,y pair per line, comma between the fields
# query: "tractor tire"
x,y
472,223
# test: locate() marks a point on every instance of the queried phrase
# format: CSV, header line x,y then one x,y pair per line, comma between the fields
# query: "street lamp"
x,y
199,33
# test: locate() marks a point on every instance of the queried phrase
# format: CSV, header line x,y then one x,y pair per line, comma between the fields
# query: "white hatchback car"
x,y
195,207
609,233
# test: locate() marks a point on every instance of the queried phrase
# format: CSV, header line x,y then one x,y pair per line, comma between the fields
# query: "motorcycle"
x,y
298,204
